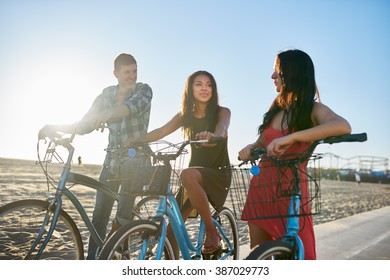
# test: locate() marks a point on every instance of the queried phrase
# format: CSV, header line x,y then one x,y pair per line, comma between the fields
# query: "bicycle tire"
x,y
229,226
127,243
146,208
274,250
20,222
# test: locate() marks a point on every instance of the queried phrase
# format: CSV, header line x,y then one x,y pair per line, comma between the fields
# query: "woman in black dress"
x,y
207,179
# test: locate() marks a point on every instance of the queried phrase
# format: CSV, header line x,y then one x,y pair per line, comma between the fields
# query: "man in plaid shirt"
x,y
125,109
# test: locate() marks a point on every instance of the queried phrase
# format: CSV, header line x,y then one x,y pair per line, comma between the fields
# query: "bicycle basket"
x,y
154,180
268,195
151,180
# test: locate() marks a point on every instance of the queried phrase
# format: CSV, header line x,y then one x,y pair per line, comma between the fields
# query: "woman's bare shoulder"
x,y
224,109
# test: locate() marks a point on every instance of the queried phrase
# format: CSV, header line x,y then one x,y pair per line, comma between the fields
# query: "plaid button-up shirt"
x,y
134,125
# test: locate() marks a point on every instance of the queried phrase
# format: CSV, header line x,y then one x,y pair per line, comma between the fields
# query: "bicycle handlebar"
x,y
257,153
361,137
58,139
168,157
57,136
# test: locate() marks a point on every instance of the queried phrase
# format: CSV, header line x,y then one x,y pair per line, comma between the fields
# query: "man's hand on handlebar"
x,y
48,131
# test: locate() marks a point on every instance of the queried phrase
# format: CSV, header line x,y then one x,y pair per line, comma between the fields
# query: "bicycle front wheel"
x,y
230,246
137,240
272,250
146,208
20,222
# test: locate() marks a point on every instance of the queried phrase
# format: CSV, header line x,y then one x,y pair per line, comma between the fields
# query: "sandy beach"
x,y
22,179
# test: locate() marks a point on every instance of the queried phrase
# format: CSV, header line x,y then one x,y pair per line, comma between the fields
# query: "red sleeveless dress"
x,y
262,193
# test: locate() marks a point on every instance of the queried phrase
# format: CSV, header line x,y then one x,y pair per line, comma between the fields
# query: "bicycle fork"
x,y
291,237
57,203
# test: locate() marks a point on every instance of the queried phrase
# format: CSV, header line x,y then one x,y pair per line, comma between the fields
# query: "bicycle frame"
x,y
292,221
292,226
292,229
172,211
56,203
168,207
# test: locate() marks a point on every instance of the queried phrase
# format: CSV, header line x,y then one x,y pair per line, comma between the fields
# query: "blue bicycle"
x,y
292,191
148,240
44,229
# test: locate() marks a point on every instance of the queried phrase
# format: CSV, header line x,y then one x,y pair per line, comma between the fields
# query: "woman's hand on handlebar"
x,y
279,146
245,153
205,135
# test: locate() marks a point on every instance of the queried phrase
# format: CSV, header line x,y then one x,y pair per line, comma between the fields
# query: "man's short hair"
x,y
123,59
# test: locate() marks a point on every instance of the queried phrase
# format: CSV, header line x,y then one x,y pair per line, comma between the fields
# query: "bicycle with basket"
x,y
148,240
284,187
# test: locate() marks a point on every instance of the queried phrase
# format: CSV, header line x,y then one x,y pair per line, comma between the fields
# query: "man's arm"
x,y
141,100
81,127
172,125
135,106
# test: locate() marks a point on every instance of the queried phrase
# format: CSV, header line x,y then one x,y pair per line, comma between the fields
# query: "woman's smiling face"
x,y
202,88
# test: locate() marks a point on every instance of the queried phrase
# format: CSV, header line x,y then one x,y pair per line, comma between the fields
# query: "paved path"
x,y
364,236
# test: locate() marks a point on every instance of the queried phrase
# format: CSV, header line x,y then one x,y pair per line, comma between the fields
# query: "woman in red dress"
x,y
295,119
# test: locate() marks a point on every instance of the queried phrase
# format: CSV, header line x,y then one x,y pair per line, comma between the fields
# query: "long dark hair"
x,y
298,93
188,104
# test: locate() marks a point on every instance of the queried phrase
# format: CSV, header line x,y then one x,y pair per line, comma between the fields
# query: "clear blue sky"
x,y
57,56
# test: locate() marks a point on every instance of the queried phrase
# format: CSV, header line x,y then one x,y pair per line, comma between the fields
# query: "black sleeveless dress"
x,y
214,165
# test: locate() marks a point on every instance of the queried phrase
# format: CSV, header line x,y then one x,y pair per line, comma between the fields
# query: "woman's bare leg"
x,y
257,235
193,183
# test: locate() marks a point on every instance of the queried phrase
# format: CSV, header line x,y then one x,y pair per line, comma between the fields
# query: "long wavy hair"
x,y
188,105
298,92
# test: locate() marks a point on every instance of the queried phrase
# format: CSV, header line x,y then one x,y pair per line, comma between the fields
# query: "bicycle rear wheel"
x,y
229,226
134,241
20,222
272,250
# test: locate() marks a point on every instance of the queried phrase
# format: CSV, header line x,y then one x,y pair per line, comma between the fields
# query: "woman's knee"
x,y
190,175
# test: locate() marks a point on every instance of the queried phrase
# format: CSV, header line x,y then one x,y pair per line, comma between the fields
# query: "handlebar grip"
x,y
256,153
216,139
361,137
259,151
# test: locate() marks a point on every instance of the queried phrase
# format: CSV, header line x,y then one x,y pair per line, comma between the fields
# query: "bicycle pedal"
x,y
196,257
117,256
